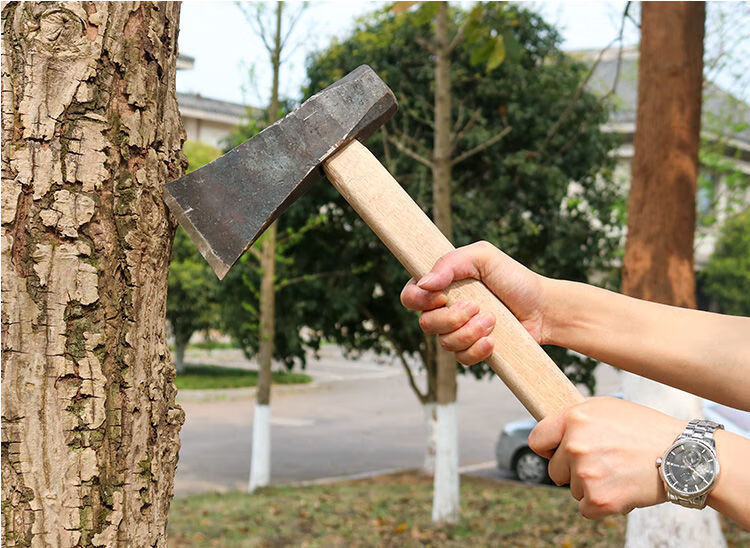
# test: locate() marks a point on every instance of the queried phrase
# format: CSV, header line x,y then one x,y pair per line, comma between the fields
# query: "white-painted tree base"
x,y
669,525
260,463
430,422
446,483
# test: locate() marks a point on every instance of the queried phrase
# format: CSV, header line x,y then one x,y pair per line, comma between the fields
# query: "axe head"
x,y
227,204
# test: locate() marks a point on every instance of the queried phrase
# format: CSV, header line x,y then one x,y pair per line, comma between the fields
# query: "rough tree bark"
x,y
658,264
90,131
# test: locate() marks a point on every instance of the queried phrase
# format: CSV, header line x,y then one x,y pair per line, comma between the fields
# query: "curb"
x,y
248,392
384,472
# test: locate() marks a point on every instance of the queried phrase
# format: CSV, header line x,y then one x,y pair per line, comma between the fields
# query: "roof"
x,y
719,107
185,62
204,108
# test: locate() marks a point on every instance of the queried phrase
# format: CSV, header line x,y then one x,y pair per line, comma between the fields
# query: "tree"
x,y
442,458
727,274
193,288
722,183
658,262
91,132
517,193
274,40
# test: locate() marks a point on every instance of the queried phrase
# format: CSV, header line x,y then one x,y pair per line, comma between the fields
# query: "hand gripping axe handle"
x,y
226,205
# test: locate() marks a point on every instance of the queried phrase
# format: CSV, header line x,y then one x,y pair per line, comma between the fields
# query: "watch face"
x,y
690,468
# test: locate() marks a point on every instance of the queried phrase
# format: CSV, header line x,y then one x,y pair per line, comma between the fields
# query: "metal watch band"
x,y
695,502
701,430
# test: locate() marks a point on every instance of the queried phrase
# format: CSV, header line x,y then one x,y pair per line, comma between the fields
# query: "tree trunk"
x,y
431,428
658,263
180,345
91,132
428,399
260,472
445,494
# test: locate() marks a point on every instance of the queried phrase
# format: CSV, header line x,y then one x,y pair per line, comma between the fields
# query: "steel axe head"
x,y
227,204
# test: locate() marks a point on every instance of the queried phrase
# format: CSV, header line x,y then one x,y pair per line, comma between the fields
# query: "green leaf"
x,y
512,47
497,56
481,53
425,13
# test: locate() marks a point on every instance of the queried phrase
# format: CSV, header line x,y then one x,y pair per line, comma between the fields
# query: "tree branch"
x,y
477,149
308,277
387,151
412,141
429,46
254,252
293,21
409,152
469,124
459,35
571,104
399,351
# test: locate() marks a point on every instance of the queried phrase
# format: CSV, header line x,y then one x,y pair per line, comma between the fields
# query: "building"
x,y
206,120
725,122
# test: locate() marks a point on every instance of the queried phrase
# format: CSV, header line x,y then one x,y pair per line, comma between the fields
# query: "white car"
x,y
512,449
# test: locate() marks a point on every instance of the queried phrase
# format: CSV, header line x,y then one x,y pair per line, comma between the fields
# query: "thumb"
x,y
470,261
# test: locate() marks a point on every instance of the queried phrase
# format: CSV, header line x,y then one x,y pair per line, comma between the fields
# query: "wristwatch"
x,y
689,468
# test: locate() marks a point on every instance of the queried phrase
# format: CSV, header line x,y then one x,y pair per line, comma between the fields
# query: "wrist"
x,y
556,310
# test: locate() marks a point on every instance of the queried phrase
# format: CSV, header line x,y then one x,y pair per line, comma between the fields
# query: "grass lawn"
x,y
394,510
203,377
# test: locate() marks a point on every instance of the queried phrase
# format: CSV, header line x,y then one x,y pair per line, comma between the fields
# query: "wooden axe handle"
x,y
417,243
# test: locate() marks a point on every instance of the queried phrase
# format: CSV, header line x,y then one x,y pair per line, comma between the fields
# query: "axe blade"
x,y
227,204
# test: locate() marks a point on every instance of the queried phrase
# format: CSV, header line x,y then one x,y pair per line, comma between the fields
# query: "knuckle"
x,y
425,323
533,441
602,503
557,479
577,415
464,338
483,245
460,315
589,474
467,359
473,355
576,448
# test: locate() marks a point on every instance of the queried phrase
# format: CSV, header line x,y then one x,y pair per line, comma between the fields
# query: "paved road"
x,y
361,417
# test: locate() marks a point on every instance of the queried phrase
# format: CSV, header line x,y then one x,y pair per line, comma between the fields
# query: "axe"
x,y
226,205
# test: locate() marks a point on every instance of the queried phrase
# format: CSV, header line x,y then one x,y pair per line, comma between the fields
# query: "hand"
x,y
462,329
606,449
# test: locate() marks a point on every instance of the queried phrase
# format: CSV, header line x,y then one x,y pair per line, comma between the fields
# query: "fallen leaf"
x,y
400,528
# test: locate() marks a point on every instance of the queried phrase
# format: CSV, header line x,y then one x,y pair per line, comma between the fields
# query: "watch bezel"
x,y
676,490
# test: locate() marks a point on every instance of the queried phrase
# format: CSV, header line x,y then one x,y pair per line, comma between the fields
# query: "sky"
x,y
227,50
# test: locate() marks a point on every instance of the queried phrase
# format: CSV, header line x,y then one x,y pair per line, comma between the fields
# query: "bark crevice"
x,y
91,131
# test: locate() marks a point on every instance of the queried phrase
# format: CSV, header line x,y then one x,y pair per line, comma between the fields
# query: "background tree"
x,y
722,184
91,132
442,458
516,193
727,274
658,263
260,314
193,287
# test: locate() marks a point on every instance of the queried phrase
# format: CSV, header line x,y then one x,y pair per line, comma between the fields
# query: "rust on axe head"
x,y
227,204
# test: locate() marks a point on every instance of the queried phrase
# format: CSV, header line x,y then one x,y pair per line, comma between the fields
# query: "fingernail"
x,y
426,279
487,321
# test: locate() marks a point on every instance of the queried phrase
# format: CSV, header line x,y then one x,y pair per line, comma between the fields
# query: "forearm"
x,y
703,353
730,494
